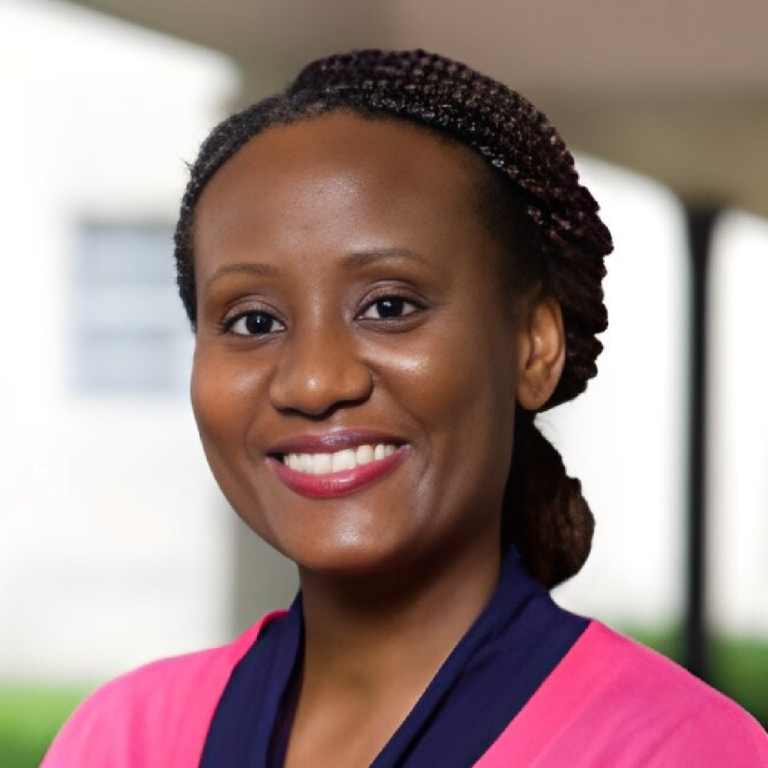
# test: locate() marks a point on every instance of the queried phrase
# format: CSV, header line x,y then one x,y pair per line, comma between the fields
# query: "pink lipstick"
x,y
336,463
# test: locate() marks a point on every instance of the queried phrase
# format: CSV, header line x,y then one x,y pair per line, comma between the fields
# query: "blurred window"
x,y
130,333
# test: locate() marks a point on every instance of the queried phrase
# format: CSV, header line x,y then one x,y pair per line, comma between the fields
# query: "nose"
x,y
318,371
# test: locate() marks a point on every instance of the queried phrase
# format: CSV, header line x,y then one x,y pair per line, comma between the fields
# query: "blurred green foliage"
x,y
740,670
30,715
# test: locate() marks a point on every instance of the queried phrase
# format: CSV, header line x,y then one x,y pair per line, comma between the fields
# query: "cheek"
x,y
457,394
224,392
456,380
221,391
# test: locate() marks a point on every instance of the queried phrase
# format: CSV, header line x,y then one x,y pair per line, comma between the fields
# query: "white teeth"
x,y
349,458
305,463
323,463
364,454
343,460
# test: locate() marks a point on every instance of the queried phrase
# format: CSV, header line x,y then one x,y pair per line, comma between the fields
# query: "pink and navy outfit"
x,y
528,686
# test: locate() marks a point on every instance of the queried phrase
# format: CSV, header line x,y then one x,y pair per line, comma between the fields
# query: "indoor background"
x,y
117,548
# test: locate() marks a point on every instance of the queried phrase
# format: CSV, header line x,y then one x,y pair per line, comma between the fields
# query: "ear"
x,y
541,351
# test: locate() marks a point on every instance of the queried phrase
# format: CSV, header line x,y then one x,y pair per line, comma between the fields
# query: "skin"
x,y
311,225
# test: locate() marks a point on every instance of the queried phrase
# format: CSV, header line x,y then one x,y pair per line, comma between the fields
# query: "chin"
x,y
345,553
334,536
344,558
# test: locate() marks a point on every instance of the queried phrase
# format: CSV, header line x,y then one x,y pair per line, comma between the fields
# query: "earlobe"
x,y
541,352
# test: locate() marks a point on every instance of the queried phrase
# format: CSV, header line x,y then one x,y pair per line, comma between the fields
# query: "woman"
x,y
391,267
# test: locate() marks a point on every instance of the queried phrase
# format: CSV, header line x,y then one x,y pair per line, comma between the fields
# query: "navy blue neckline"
x,y
490,675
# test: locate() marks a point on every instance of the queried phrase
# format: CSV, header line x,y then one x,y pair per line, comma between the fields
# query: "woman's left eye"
x,y
389,308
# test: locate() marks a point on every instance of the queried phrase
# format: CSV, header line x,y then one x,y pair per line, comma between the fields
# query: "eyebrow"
x,y
360,257
249,267
363,256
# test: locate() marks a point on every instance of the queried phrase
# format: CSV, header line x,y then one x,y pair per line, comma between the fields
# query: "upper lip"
x,y
336,440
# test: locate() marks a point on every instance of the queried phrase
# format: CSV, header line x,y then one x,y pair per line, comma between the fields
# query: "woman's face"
x,y
348,298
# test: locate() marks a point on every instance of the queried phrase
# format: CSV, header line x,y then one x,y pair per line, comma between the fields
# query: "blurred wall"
x,y
114,540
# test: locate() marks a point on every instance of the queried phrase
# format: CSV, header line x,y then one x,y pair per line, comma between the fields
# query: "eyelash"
x,y
406,298
229,323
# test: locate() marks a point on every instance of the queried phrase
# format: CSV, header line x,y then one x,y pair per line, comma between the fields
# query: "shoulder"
x,y
155,715
665,714
612,702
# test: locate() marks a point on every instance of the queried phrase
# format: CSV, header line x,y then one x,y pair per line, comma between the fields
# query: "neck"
x,y
370,640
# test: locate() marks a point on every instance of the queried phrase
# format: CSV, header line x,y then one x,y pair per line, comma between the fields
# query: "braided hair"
x,y
534,197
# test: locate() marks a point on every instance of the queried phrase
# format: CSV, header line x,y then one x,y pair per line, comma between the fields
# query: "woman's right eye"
x,y
253,323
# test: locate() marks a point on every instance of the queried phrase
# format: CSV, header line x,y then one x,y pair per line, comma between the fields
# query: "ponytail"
x,y
545,515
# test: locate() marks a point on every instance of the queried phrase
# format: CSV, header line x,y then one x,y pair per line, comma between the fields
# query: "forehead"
x,y
393,150
344,172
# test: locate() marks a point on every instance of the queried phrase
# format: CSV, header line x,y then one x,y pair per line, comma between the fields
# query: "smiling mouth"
x,y
338,461
339,473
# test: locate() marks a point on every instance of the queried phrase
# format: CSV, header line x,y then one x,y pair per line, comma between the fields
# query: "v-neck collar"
x,y
490,675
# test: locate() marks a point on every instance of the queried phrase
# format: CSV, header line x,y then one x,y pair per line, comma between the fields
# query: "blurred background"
x,y
116,547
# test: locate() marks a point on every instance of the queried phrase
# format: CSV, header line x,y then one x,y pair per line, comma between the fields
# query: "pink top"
x,y
610,703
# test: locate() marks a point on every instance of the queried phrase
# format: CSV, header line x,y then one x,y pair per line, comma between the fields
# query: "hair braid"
x,y
566,240
551,524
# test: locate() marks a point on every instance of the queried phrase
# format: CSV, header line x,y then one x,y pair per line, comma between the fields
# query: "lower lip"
x,y
337,484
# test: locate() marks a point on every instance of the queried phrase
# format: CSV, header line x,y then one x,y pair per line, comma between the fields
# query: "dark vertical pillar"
x,y
701,224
